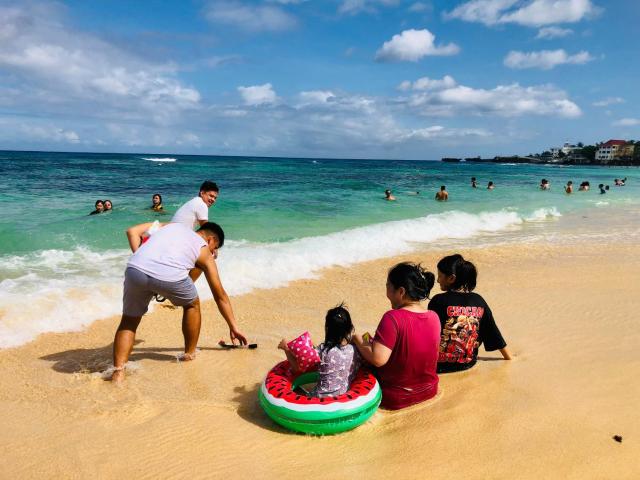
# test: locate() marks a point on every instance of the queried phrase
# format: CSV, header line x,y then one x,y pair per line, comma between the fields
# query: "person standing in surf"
x,y
164,265
195,212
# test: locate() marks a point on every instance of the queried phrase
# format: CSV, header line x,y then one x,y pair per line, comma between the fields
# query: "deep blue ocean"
x,y
284,218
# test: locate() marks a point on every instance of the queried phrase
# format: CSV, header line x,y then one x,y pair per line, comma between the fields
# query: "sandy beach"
x,y
567,312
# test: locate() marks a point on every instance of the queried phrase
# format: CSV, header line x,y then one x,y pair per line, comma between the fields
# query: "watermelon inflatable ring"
x,y
317,416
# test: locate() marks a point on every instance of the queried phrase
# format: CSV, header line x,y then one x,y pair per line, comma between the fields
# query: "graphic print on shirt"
x,y
459,337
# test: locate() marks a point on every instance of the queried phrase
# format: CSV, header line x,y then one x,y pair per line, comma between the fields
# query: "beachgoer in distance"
x,y
405,346
99,207
569,187
544,184
584,186
442,195
156,203
108,206
162,266
465,317
490,186
602,190
196,211
388,196
606,188
339,359
474,184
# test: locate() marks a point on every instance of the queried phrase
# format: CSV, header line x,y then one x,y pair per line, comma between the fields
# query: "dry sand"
x,y
569,314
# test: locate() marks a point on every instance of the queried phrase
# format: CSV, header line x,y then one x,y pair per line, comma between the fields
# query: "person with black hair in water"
x,y
465,317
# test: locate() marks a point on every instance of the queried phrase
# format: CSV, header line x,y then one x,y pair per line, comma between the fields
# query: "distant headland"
x,y
609,153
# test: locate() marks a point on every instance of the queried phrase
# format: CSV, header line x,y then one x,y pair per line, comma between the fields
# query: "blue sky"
x,y
335,78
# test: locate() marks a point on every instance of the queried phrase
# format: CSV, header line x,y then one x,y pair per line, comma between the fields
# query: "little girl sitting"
x,y
339,360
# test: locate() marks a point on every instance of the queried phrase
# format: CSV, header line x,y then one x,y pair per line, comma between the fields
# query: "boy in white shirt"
x,y
195,212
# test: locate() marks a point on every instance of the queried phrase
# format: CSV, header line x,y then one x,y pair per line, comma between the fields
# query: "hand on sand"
x,y
236,335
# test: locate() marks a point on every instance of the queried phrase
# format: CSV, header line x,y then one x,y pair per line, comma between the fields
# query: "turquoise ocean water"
x,y
285,219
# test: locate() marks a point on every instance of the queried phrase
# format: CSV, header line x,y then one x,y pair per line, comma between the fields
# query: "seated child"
x,y
339,360
465,317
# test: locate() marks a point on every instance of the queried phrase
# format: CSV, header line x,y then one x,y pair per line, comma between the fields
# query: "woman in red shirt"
x,y
405,346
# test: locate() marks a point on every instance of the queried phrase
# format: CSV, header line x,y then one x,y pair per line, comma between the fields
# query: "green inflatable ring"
x,y
318,416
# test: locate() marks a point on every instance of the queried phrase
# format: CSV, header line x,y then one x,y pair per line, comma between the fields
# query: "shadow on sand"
x,y
249,409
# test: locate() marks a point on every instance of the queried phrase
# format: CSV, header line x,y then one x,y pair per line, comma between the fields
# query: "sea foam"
x,y
59,291
163,159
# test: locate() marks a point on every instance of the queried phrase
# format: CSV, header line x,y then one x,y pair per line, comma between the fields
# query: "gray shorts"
x,y
139,289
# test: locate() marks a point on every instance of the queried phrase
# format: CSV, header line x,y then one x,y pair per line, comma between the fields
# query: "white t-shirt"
x,y
169,253
191,212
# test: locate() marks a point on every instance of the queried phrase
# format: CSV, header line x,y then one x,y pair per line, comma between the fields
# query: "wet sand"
x,y
568,313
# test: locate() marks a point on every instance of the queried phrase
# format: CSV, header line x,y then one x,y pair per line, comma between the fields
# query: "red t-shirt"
x,y
409,376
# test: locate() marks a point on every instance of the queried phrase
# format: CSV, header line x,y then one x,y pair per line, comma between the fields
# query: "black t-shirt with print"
x,y
466,322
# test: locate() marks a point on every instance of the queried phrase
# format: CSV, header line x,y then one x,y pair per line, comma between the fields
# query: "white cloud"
x,y
418,7
53,62
605,102
533,13
449,99
548,33
545,59
316,97
353,7
426,83
258,94
412,45
627,122
252,18
438,131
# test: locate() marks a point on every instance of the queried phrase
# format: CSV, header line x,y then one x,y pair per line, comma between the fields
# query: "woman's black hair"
x,y
416,281
157,195
337,326
97,202
465,272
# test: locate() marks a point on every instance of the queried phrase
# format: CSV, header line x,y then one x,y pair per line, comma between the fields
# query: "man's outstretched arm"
x,y
208,265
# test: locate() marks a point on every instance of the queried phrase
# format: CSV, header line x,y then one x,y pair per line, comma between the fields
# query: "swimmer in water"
x,y
442,195
156,203
99,207
388,196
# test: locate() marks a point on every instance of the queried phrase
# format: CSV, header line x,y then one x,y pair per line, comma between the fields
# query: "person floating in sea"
x,y
584,187
569,187
544,184
490,186
99,207
442,195
156,203
108,206
195,212
388,196
602,190
166,265
474,183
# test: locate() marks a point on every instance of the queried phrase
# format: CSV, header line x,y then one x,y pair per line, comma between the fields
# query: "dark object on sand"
x,y
618,438
224,344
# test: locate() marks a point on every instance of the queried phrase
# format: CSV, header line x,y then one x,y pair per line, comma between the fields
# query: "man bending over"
x,y
163,266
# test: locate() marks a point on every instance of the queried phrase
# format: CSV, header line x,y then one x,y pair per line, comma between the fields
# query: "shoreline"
x,y
570,388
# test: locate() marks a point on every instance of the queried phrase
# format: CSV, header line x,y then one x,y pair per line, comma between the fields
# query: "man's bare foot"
x,y
186,357
117,376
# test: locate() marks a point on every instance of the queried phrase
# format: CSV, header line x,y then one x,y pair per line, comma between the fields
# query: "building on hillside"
x,y
608,150
568,149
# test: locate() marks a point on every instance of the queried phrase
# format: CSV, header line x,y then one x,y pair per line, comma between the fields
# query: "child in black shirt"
x,y
465,317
